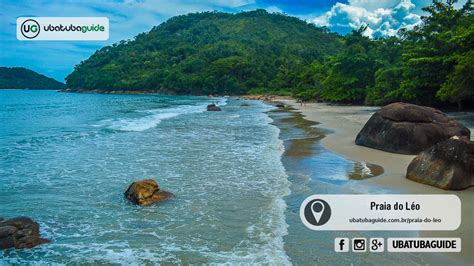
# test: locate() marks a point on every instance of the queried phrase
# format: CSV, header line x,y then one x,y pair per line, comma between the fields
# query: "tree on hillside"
x,y
438,55
351,72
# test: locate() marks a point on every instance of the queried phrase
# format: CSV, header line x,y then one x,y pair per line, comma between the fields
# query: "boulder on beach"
x,y
213,107
447,165
408,129
20,232
146,192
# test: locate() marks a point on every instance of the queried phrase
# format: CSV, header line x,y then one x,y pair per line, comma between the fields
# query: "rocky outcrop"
x,y
146,192
20,232
447,165
213,107
266,98
408,129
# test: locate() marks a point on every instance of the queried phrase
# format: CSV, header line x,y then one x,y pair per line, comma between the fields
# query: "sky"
x,y
128,18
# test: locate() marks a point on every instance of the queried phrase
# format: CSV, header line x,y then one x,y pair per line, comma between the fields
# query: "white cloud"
x,y
273,9
383,17
232,3
373,5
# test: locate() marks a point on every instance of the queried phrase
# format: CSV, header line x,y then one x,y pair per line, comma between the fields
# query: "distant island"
x,y
23,78
258,52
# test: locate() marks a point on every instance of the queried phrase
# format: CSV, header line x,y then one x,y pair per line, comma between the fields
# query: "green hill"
x,y
22,78
209,53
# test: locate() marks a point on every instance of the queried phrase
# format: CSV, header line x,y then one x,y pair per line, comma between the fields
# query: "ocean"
x,y
66,160
239,177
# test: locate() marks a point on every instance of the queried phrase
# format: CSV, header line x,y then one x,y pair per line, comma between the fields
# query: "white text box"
x,y
424,244
381,212
62,28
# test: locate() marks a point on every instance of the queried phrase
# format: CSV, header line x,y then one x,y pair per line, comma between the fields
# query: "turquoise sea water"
x,y
66,160
239,177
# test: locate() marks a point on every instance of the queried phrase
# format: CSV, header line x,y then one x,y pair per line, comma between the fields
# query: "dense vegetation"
x,y
22,78
209,53
431,64
261,53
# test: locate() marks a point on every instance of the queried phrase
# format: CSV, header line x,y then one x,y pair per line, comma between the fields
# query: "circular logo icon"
x,y
30,28
315,212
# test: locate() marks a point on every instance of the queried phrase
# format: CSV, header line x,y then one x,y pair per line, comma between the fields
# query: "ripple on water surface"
x,y
71,163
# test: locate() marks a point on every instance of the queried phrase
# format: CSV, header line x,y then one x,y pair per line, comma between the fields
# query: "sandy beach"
x,y
345,122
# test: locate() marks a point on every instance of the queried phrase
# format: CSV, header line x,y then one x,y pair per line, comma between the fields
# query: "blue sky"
x,y
57,58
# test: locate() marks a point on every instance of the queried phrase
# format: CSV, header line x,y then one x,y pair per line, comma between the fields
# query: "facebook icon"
x,y
341,244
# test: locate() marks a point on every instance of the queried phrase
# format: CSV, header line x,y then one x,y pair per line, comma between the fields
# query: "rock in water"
x,y
447,165
408,129
146,192
213,107
20,232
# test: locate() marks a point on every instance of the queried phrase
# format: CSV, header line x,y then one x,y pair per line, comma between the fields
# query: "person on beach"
x,y
301,102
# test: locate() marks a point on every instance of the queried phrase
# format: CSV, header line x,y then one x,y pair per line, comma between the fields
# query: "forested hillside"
x,y
22,78
262,53
431,64
209,52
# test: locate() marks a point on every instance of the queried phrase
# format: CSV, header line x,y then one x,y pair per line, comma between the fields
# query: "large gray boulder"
x,y
408,129
447,165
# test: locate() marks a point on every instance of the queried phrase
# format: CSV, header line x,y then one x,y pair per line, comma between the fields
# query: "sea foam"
x,y
154,117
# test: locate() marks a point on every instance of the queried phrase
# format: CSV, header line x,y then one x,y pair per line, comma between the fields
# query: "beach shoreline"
x,y
343,124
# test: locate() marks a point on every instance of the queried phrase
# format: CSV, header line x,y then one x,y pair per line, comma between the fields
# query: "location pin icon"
x,y
317,208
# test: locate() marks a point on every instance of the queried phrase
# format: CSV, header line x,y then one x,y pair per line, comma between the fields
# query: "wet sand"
x,y
343,123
